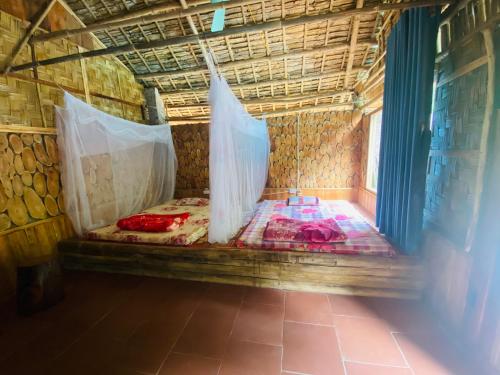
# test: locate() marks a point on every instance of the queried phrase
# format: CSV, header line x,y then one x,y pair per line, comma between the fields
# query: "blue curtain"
x,y
405,138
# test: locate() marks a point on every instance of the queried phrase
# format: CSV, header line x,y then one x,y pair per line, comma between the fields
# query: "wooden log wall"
x,y
31,200
328,159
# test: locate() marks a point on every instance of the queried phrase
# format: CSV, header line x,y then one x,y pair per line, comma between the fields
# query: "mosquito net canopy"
x,y
239,153
111,167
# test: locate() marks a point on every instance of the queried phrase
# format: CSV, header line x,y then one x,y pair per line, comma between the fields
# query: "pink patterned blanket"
x,y
362,238
293,230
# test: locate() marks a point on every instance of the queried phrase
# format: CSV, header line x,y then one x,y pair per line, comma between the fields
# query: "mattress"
x,y
193,229
363,239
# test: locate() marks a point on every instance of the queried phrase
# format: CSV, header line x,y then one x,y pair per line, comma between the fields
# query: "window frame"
x,y
369,158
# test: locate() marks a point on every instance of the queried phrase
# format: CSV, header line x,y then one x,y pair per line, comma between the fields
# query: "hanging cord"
x,y
210,58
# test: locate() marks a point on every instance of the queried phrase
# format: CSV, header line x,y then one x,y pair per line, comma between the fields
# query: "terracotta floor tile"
x,y
265,295
311,349
207,332
259,323
352,306
308,308
364,369
226,292
183,364
429,354
367,340
404,315
246,358
149,345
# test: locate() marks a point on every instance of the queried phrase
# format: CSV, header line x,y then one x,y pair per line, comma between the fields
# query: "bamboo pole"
x,y
253,85
274,99
278,113
40,16
354,40
278,24
238,3
238,63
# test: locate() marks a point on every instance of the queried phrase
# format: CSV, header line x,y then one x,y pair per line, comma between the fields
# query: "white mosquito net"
x,y
111,167
239,153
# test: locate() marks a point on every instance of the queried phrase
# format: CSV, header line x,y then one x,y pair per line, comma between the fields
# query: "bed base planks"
x,y
399,276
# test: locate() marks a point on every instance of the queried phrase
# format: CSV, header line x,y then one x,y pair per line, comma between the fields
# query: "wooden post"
x,y
155,107
83,66
37,85
40,16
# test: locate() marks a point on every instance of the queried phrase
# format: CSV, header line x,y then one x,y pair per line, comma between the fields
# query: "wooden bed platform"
x,y
400,276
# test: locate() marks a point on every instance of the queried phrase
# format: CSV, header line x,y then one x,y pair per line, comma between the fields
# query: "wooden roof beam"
x,y
282,112
167,11
248,62
372,8
276,100
253,85
352,47
278,24
38,19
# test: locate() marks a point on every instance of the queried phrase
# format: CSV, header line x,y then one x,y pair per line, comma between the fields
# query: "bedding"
x,y
362,238
293,230
303,201
194,228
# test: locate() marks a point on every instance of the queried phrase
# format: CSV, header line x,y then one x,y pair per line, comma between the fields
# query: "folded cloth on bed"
x,y
318,231
303,201
195,227
153,222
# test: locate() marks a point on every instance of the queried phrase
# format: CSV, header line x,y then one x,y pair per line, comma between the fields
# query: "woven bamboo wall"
x,y
329,153
19,101
452,181
456,135
31,202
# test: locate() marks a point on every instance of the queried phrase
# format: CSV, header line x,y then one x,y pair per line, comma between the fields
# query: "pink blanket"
x,y
293,230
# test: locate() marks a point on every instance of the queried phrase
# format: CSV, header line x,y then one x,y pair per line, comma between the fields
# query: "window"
x,y
373,151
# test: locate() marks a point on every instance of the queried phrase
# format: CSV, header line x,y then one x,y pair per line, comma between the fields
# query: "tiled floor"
x,y
115,324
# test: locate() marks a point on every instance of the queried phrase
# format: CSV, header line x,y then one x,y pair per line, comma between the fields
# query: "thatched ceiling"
x,y
283,68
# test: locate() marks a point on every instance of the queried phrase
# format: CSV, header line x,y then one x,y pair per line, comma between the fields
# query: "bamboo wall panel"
x,y
19,102
456,135
455,291
329,153
31,201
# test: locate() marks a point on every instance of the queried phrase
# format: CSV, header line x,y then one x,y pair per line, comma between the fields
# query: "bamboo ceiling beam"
x,y
248,62
277,113
149,9
354,40
253,85
169,11
274,99
337,15
38,19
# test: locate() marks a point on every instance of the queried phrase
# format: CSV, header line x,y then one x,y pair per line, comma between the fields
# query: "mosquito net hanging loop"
x,y
111,167
238,165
